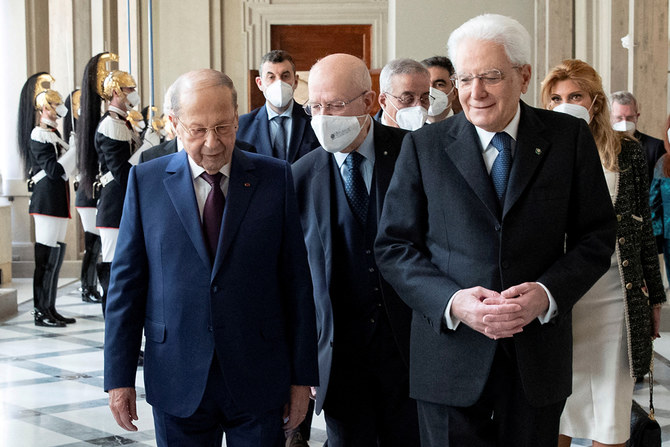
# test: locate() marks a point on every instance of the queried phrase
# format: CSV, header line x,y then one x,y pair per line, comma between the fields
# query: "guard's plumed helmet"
x,y
114,81
43,94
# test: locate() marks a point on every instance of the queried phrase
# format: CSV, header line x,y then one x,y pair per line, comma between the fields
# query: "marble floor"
x,y
51,381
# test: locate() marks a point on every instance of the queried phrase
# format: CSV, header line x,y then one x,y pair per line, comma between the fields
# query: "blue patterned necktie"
x,y
212,213
354,186
280,138
502,164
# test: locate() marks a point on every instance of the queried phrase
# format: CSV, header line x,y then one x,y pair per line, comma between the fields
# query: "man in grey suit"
x,y
495,223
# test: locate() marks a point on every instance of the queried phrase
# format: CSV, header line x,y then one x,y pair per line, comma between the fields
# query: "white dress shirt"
x,y
200,185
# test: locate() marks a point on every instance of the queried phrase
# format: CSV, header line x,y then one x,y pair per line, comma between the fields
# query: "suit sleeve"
x,y
649,254
591,230
298,295
401,249
126,303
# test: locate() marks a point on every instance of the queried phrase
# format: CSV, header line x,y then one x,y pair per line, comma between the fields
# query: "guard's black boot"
x,y
89,287
54,287
46,259
103,277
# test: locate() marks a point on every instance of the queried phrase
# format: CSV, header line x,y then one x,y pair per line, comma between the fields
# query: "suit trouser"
x,y
368,403
217,414
501,417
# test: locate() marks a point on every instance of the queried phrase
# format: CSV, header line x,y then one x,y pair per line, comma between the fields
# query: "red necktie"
x,y
212,213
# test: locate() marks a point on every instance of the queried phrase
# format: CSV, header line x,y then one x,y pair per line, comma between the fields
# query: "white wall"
x,y
423,27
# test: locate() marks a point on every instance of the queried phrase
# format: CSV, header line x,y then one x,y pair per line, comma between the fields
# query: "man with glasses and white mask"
x,y
363,326
443,95
405,94
495,223
624,114
280,127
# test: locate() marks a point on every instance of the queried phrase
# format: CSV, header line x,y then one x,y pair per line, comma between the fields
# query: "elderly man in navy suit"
x,y
363,325
495,223
280,128
211,265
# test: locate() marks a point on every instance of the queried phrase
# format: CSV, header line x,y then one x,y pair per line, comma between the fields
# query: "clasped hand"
x,y
500,315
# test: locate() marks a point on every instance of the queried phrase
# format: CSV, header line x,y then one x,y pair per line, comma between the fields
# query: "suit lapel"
x,y
297,131
468,159
531,148
321,182
179,185
241,186
263,130
384,163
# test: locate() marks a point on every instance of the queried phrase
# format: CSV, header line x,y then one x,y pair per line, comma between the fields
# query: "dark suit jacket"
x,y
254,128
170,147
442,230
653,149
313,176
253,306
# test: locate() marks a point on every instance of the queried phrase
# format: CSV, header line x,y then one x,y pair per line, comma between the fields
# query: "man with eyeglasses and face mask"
x,y
405,94
363,325
280,128
211,266
443,95
495,223
624,114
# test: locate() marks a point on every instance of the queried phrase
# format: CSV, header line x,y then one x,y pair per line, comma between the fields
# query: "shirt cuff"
x,y
451,321
553,308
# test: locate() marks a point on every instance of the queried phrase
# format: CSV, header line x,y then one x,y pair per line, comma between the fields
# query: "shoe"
x,y
46,259
295,439
54,287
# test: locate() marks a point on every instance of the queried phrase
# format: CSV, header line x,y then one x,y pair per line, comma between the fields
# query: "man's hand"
x,y
487,312
531,298
296,409
122,404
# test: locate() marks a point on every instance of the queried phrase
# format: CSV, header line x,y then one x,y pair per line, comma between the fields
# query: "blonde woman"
x,y
615,322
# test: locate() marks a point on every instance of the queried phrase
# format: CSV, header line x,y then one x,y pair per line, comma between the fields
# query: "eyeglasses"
x,y
491,77
222,130
312,108
409,99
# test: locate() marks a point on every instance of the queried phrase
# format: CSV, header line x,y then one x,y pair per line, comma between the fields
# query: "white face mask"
x,y
336,133
409,118
573,109
132,99
61,111
668,134
439,101
279,94
624,126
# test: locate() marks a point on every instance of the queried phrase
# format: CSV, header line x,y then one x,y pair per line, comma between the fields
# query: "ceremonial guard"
x,y
47,165
110,145
85,206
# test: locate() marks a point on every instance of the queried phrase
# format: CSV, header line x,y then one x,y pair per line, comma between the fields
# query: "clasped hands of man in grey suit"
x,y
500,315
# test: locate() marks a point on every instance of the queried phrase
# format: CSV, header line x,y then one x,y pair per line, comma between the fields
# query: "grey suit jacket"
x,y
443,230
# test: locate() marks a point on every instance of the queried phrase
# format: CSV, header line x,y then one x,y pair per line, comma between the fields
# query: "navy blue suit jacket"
x,y
254,128
443,229
313,175
253,306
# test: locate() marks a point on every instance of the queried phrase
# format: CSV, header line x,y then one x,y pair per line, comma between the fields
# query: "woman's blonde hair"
x,y
607,139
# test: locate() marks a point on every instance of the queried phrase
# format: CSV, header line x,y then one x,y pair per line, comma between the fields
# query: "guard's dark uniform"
x,y
51,195
114,143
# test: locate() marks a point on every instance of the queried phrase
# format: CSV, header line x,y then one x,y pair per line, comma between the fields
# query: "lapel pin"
x,y
538,151
246,185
